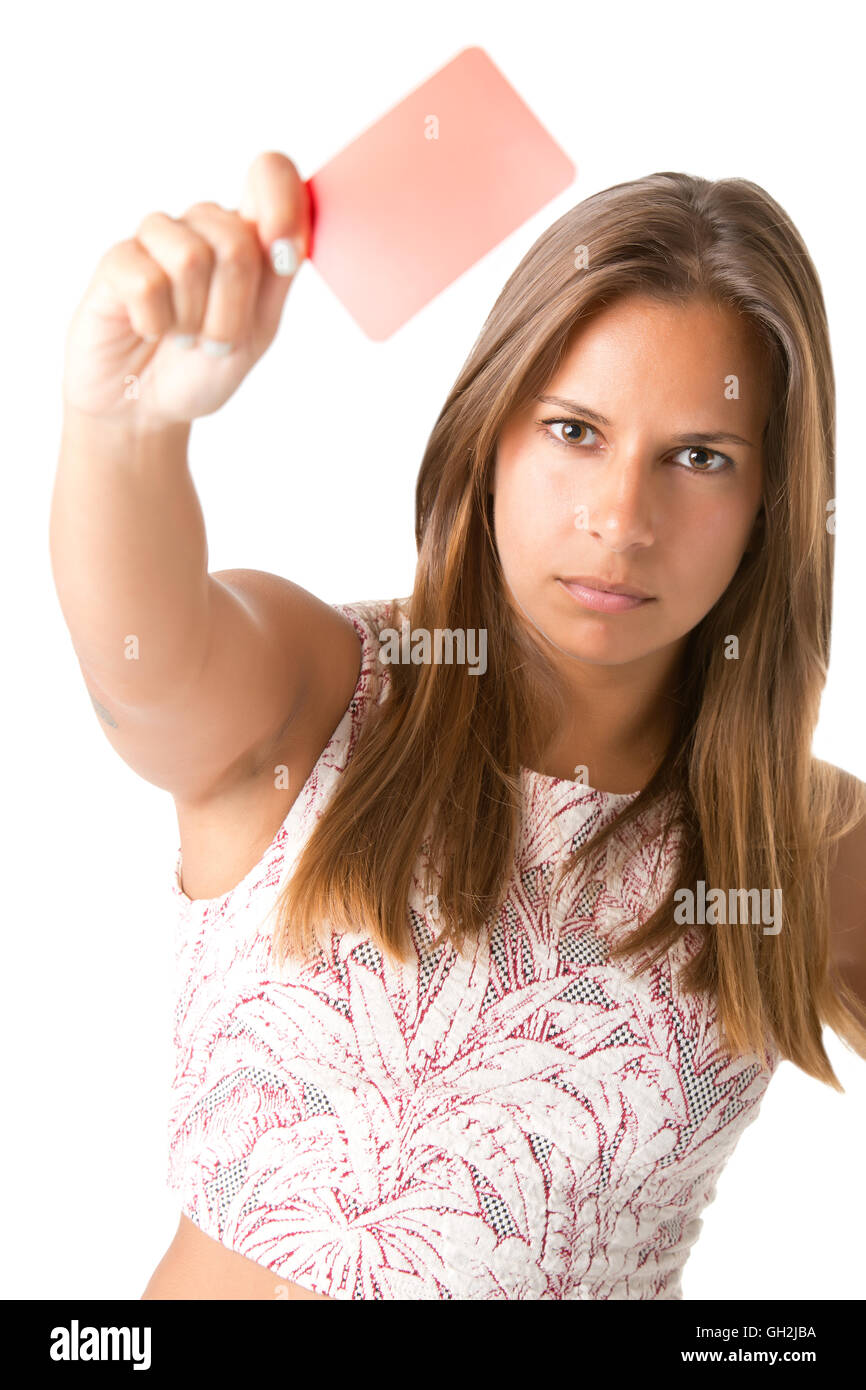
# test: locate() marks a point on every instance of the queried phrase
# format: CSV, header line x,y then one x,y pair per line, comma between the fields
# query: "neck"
x,y
619,721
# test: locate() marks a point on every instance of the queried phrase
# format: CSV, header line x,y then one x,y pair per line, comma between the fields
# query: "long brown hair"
x,y
439,760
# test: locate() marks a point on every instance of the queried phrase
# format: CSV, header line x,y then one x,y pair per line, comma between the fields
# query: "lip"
x,y
591,593
592,581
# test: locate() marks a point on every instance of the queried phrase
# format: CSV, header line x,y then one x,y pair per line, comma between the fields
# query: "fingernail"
x,y
285,256
214,348
184,340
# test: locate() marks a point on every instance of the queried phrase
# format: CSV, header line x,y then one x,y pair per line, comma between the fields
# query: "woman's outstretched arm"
x,y
193,675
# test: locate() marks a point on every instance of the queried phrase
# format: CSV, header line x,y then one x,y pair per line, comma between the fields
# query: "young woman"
x,y
484,965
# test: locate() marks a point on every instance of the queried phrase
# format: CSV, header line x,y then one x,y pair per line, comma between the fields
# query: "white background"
x,y
110,112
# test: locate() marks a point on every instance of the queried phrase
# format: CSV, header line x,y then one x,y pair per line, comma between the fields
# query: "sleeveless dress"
x,y
520,1121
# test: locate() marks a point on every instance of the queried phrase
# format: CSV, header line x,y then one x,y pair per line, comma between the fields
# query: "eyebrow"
x,y
696,437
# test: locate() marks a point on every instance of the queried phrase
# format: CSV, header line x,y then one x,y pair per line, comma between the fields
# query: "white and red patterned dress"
x,y
523,1120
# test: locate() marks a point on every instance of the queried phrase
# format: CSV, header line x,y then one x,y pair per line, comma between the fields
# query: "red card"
x,y
429,189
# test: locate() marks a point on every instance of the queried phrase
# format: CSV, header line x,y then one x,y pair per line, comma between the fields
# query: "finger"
x,y
129,285
276,203
188,260
235,276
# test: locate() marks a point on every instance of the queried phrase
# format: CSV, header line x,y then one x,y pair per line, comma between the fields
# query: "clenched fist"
x,y
174,318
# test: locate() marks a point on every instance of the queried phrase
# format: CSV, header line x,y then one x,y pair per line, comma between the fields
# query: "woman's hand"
x,y
175,317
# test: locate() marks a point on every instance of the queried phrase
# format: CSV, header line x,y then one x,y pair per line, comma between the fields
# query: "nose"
x,y
617,508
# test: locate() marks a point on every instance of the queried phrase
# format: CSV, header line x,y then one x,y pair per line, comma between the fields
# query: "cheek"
x,y
535,507
705,545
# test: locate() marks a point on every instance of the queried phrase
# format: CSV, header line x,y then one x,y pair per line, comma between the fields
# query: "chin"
x,y
575,639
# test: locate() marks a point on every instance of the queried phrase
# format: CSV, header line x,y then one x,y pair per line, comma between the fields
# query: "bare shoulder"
x,y
282,605
304,683
313,652
273,658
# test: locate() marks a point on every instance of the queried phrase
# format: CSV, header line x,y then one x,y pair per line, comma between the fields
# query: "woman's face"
x,y
612,482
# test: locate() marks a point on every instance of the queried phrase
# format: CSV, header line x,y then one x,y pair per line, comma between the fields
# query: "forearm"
x,y
129,557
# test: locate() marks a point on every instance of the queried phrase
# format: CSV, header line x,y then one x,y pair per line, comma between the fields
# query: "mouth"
x,y
605,597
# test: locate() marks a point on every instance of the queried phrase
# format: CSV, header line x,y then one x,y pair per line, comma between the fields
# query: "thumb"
x,y
275,200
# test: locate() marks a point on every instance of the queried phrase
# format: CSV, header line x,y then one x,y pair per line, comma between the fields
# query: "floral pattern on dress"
x,y
524,1120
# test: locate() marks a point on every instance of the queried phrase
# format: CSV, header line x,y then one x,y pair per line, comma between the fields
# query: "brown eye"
x,y
698,466
574,426
697,462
